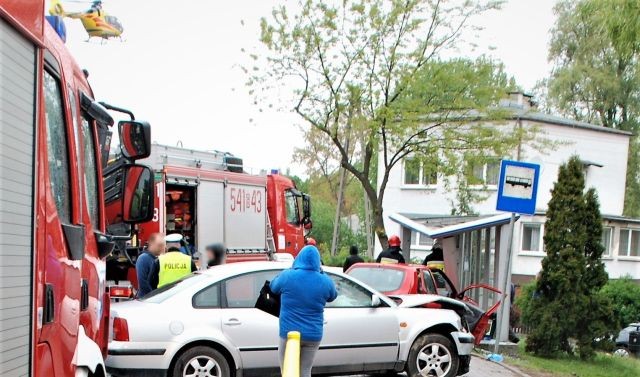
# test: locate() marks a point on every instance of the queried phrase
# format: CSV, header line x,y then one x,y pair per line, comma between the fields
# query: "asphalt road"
x,y
480,368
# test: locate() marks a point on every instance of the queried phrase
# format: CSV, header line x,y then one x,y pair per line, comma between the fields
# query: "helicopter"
x,y
95,20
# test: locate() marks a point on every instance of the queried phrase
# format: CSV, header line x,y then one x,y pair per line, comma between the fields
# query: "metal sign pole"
x,y
506,287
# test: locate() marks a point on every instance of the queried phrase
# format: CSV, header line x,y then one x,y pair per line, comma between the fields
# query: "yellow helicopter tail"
x,y
56,8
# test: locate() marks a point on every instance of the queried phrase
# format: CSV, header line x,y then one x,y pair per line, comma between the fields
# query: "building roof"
x,y
529,114
452,230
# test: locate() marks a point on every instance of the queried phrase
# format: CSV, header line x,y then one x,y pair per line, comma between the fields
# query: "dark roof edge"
x,y
552,119
605,217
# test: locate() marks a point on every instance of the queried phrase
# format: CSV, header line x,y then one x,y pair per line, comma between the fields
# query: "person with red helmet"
x,y
393,254
310,241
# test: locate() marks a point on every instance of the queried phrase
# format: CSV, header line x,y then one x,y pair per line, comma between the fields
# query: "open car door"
x,y
482,324
477,318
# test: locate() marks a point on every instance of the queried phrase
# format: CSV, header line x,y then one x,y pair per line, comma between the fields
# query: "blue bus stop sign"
x,y
518,187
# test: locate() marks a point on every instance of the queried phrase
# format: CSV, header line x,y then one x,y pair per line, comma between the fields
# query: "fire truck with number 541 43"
x,y
207,197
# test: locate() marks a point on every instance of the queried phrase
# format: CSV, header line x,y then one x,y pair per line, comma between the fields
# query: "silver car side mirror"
x,y
375,301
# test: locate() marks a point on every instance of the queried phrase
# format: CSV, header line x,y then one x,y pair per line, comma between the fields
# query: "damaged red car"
x,y
398,280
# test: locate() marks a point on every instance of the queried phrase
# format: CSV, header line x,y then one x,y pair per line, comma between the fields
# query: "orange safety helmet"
x,y
310,241
394,240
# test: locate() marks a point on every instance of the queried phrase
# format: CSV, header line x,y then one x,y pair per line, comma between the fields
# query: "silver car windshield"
x,y
169,290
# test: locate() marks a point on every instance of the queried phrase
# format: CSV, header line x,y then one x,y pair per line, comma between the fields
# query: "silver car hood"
x,y
413,301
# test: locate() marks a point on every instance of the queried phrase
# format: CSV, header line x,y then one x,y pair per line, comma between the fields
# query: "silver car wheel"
x,y
433,360
201,366
621,352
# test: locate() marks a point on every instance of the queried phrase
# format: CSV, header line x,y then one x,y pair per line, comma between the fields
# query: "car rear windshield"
x,y
169,290
381,279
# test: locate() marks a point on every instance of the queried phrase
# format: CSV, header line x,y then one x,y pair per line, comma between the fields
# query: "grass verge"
x,y
603,365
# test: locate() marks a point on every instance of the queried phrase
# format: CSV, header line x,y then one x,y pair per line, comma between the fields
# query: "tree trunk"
x,y
336,224
368,228
378,221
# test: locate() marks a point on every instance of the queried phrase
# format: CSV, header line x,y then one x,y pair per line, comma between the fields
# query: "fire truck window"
x,y
57,147
90,173
291,202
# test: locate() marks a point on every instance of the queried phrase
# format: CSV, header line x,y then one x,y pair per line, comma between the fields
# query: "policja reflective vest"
x,y
173,266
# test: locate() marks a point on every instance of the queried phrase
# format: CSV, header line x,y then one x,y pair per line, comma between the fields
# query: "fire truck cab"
x,y
54,310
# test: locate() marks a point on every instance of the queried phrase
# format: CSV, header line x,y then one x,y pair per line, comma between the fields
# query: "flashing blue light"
x,y
58,25
275,171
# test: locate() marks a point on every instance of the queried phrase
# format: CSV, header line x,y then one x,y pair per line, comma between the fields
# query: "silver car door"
x,y
357,337
253,332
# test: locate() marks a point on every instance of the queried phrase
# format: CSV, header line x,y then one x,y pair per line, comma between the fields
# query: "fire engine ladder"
x,y
271,244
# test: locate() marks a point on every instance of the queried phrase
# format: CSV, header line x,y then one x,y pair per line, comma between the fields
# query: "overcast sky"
x,y
178,68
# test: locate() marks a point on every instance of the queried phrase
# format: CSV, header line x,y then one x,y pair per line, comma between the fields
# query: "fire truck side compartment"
x,y
17,133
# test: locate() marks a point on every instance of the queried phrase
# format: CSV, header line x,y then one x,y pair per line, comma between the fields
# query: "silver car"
x,y
206,325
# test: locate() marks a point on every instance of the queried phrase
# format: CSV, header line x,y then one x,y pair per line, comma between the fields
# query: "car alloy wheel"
x,y
200,361
432,355
434,360
621,352
201,366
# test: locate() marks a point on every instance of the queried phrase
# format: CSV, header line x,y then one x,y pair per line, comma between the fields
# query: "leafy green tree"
x,y
595,49
559,287
596,320
322,213
595,273
625,295
566,303
372,71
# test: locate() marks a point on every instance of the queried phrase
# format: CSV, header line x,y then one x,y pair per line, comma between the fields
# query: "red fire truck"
x,y
207,197
54,310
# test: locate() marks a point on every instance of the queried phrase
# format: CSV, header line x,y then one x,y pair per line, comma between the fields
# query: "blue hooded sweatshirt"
x,y
304,291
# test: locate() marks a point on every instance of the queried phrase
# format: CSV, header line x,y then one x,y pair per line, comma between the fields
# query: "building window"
x,y
486,174
531,237
629,243
606,240
419,174
421,241
411,172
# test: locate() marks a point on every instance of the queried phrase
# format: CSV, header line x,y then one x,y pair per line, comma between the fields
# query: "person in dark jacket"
x,y
304,290
352,259
216,254
436,258
393,254
144,264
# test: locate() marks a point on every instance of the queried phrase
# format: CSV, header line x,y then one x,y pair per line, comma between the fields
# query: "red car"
x,y
408,279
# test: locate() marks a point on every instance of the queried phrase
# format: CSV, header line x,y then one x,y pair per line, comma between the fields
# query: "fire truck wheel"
x,y
201,361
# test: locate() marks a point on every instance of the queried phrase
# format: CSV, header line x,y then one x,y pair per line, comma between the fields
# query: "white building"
x,y
422,196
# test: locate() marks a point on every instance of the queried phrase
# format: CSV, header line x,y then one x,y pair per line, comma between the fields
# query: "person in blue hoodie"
x,y
304,290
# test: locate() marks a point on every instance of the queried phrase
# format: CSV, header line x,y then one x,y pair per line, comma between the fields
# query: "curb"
x,y
505,366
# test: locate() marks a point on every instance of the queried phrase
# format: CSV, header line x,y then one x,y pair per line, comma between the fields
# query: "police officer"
x,y
393,254
170,267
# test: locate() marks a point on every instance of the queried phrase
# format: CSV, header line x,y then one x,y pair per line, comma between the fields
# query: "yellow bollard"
x,y
291,364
